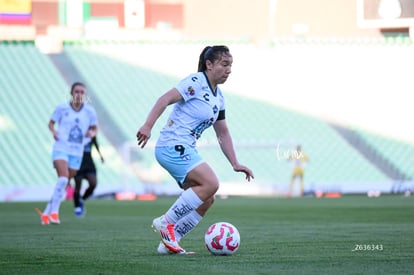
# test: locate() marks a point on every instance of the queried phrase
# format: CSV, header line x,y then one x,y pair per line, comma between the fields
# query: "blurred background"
x,y
333,76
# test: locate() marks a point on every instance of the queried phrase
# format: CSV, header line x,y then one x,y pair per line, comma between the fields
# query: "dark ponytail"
x,y
211,53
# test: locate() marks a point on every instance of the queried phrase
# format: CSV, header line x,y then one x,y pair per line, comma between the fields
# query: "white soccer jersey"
x,y
72,127
191,116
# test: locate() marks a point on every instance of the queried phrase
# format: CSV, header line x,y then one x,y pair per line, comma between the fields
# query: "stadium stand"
x,y
30,89
265,134
399,153
130,90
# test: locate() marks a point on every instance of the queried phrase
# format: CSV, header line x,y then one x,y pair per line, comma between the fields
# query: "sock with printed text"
x,y
187,202
186,224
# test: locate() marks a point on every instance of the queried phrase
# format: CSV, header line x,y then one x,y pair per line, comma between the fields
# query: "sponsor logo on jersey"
x,y
190,90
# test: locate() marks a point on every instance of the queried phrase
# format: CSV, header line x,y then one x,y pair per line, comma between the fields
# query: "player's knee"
x,y
213,187
209,185
206,190
210,201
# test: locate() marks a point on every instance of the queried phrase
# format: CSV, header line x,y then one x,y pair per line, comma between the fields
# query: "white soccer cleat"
x,y
166,231
163,250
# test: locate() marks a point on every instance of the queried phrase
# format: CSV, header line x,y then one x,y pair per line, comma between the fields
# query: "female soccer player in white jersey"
x,y
77,124
198,104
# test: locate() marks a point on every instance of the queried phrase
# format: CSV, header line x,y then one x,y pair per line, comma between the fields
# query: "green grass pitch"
x,y
348,235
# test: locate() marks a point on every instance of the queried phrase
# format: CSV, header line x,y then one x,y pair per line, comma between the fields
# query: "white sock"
x,y
48,208
187,202
54,203
186,224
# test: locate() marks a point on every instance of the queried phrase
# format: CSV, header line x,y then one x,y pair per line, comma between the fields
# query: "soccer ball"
x,y
222,238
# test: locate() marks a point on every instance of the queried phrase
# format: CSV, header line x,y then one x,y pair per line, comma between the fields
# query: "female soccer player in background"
x,y
77,124
198,104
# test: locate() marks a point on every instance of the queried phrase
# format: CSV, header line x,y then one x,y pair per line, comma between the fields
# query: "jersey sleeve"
x,y
57,114
189,86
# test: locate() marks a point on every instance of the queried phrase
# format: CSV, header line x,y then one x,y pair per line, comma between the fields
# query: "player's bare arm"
x,y
226,145
144,133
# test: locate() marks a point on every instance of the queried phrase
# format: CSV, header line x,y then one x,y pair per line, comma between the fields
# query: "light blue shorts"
x,y
74,162
178,160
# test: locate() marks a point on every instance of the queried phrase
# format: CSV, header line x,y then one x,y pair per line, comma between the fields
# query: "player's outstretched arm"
x,y
226,145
